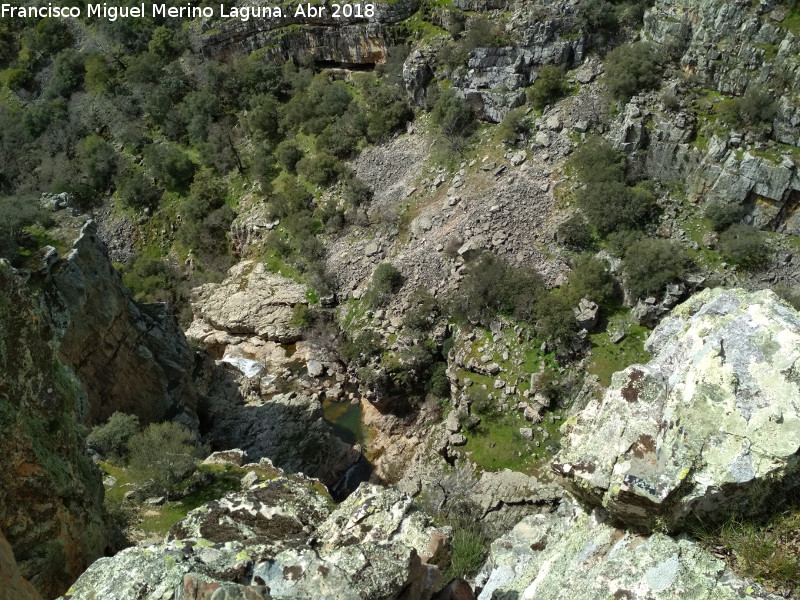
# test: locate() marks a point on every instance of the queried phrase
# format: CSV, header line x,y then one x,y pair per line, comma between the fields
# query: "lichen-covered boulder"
x,y
158,572
580,557
273,541
708,427
251,301
281,512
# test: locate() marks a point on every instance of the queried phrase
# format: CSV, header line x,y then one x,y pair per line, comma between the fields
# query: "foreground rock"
x,y
51,497
580,557
271,541
15,586
708,427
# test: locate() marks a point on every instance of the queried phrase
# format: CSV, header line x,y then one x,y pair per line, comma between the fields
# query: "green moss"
x,y
792,20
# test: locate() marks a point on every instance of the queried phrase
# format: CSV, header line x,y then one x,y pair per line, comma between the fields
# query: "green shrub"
x,y
288,154
386,281
171,167
556,321
597,161
744,245
513,123
631,69
320,169
611,206
423,312
438,384
591,278
491,286
757,106
453,116
598,16
138,191
651,263
575,233
469,550
548,87
163,454
723,214
111,440
361,348
99,161
263,116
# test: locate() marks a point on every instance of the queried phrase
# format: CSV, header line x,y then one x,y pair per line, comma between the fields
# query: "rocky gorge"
x,y
445,372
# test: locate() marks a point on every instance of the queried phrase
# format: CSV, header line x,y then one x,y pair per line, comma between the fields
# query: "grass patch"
x,y
495,444
767,552
608,358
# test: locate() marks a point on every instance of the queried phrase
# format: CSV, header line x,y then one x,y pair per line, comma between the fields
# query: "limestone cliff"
x,y
51,500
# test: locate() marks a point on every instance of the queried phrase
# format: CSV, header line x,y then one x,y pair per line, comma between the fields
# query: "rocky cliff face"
x,y
347,40
15,586
709,427
129,357
51,500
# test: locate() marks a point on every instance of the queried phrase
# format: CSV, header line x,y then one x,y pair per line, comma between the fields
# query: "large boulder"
x,y
15,586
374,545
581,557
250,302
708,427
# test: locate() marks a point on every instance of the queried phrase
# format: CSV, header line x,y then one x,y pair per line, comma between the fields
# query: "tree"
x,y
111,440
164,453
170,165
597,161
613,205
651,263
591,278
723,214
386,280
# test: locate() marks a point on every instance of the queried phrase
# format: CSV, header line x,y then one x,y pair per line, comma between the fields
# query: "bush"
x,y
744,245
631,69
611,206
138,191
597,16
320,169
164,453
453,116
548,87
723,214
361,348
512,124
597,161
171,167
99,162
756,107
111,440
288,154
556,321
386,280
491,286
591,278
575,233
651,263
788,294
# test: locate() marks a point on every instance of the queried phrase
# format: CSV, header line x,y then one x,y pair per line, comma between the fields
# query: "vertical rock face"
x,y
51,497
709,427
129,357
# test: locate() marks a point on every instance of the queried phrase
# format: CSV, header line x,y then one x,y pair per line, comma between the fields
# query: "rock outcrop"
x,y
323,38
374,545
709,427
51,499
289,429
250,302
579,556
129,357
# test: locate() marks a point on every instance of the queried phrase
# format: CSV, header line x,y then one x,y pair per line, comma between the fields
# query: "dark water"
x,y
345,418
